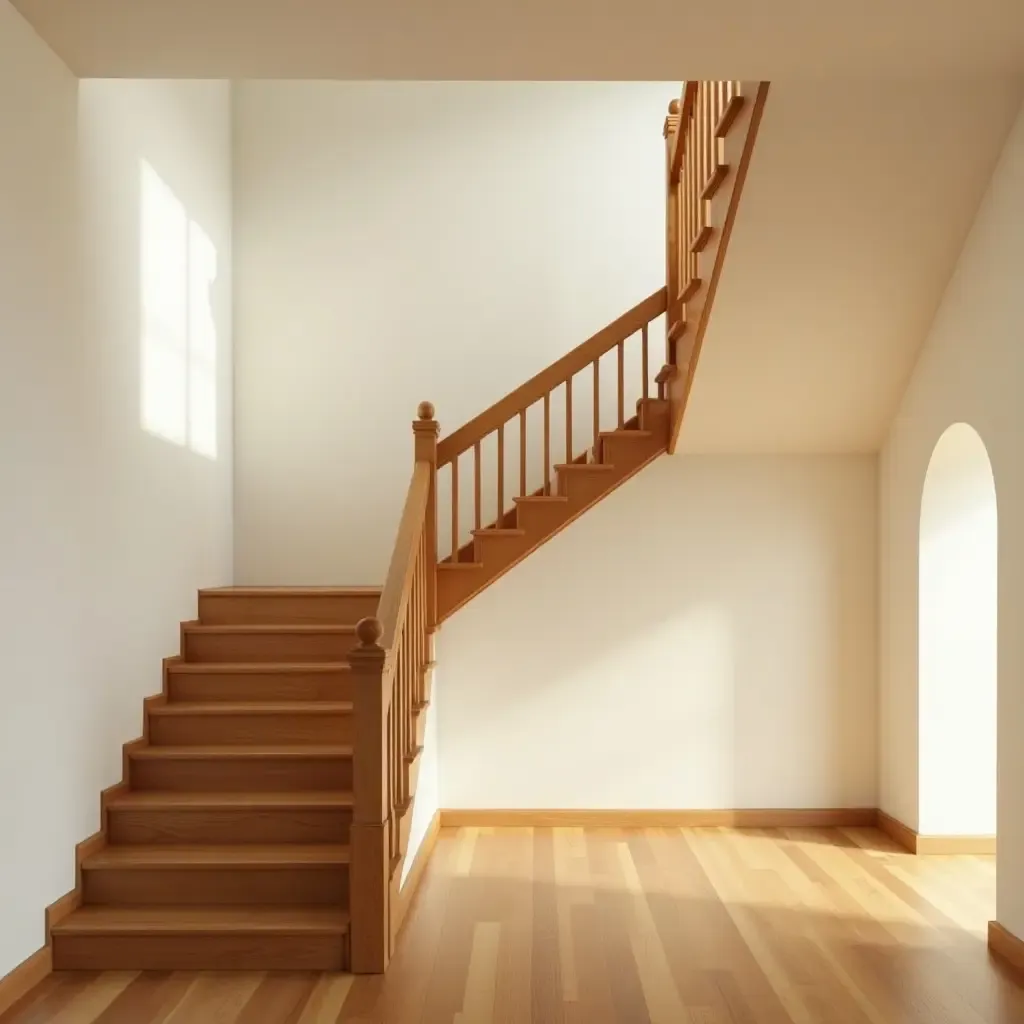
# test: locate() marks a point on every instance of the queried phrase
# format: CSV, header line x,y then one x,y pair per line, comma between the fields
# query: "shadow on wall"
x,y
958,626
178,339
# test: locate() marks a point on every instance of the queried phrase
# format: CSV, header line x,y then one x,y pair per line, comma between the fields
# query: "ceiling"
x,y
856,206
529,39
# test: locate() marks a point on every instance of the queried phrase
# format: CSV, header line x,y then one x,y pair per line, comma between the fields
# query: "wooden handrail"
x,y
395,595
534,390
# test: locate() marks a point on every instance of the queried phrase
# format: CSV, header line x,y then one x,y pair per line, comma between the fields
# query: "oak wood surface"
x,y
682,926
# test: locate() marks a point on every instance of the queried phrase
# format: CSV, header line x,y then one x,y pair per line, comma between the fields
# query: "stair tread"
x,y
460,565
294,591
214,708
144,799
629,432
251,628
98,920
541,498
587,467
258,667
230,751
493,531
237,856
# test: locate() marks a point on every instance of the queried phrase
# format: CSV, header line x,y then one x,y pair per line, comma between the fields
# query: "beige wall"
x,y
106,530
970,370
705,637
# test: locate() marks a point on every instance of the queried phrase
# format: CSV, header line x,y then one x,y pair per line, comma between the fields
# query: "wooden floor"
x,y
671,926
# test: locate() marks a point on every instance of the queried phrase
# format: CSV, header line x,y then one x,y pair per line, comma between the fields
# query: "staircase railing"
x,y
704,145
390,666
487,482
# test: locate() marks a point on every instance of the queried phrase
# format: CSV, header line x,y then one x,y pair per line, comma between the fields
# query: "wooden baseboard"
x,y
924,845
1005,945
29,973
419,866
849,817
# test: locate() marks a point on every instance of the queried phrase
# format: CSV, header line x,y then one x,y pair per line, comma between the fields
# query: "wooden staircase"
x,y
264,816
227,844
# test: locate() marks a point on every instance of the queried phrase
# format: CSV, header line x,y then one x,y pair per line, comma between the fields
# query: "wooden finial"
x,y
673,106
425,411
369,631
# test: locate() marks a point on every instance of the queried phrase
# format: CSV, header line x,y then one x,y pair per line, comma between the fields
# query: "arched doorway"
x,y
957,637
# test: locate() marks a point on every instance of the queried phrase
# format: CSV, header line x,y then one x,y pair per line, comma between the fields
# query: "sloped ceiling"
x,y
529,39
858,200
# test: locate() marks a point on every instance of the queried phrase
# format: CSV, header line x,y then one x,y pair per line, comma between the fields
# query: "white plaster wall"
x,y
405,241
703,638
970,370
106,531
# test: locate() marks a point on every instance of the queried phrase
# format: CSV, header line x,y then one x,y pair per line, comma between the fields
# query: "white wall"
x,y
105,529
703,638
957,640
970,370
396,242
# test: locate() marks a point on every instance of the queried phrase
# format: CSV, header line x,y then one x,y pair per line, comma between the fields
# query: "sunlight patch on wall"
x,y
178,357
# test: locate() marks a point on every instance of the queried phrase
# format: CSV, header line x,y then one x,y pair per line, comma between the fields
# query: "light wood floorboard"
x,y
660,925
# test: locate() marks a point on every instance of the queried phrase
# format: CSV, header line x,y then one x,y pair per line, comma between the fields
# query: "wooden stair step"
x,y
190,920
629,433
146,800
287,605
232,753
191,818
188,723
266,643
222,875
163,938
584,467
215,708
493,531
238,766
235,682
237,857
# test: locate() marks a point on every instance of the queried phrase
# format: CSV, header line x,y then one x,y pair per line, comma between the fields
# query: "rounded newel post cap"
x,y
425,411
673,106
369,632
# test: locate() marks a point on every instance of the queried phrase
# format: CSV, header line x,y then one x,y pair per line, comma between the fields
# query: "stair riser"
x,y
287,648
285,610
497,553
200,952
259,686
582,487
242,729
215,828
166,887
624,451
271,775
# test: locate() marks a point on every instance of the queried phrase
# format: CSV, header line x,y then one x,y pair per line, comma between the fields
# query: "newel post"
x,y
370,867
425,432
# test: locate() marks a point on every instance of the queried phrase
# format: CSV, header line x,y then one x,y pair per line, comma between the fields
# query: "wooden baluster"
x,y
425,432
597,407
622,384
522,453
476,487
501,473
644,369
568,420
547,443
455,509
671,133
370,868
